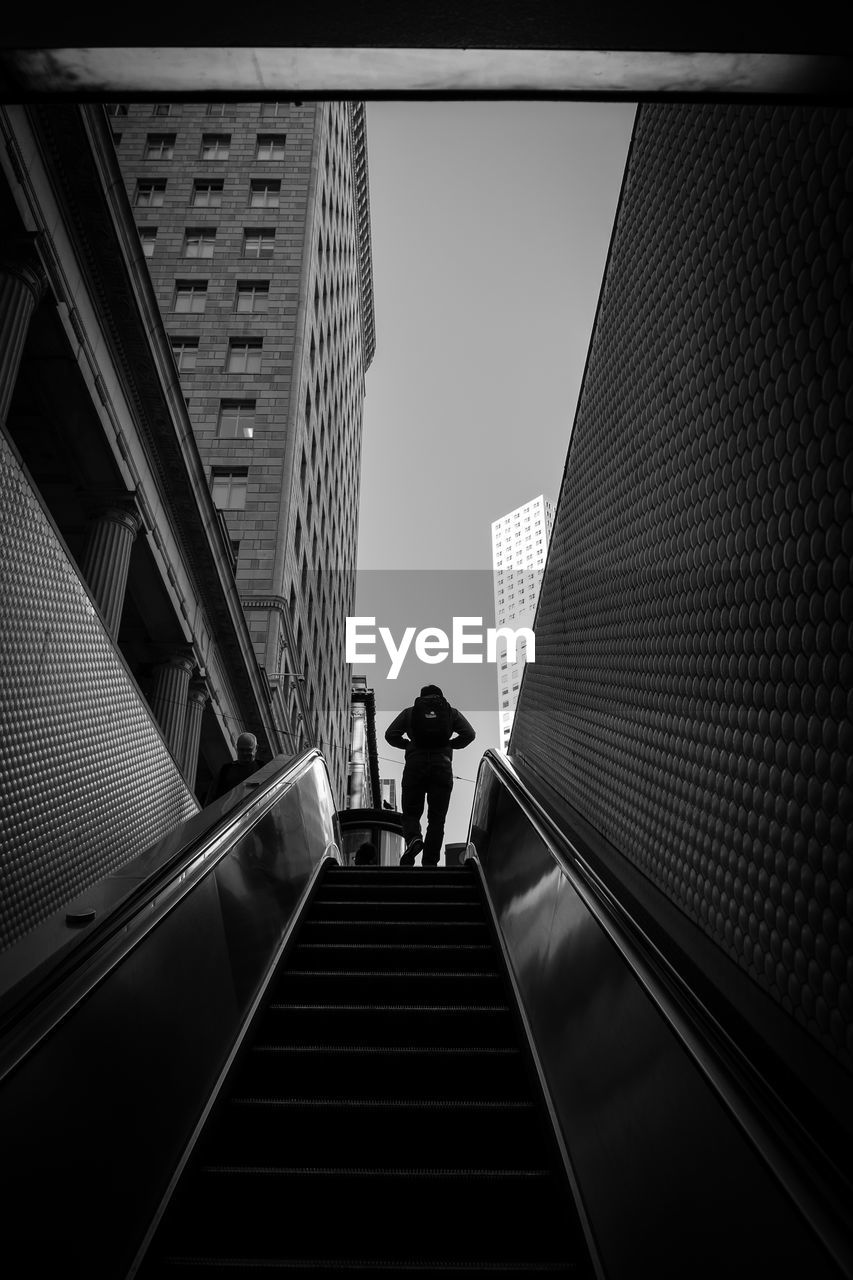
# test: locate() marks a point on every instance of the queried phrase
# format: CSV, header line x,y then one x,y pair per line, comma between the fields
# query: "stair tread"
x,y
370,1264
394,973
435,1104
290,1006
385,924
394,946
423,1050
368,1171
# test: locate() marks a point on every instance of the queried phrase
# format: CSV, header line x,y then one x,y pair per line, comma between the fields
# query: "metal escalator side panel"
x,y
98,1115
542,1084
53,967
670,1179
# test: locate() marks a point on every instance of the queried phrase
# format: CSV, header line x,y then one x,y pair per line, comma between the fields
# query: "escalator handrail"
x,y
45,1002
808,1173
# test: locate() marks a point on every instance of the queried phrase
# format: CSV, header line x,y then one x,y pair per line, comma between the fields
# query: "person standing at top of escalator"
x,y
429,732
233,772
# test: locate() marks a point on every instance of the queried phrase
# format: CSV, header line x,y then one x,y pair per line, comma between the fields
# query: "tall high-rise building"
x,y
519,550
254,220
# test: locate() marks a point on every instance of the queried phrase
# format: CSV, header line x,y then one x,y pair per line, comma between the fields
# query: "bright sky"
x,y
491,223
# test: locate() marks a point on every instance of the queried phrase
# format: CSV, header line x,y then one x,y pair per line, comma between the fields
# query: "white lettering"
x,y
431,645
396,654
460,639
512,638
353,639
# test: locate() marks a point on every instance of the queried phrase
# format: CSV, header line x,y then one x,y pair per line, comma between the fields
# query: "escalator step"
x,y
407,985
379,932
367,1171
435,1072
338,1130
334,909
388,1024
350,955
326,1268
452,1212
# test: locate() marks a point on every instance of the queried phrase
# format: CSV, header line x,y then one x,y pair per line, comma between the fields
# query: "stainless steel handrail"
x,y
807,1173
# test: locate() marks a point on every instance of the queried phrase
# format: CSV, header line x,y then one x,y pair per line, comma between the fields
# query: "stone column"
x,y
22,284
107,560
169,700
196,702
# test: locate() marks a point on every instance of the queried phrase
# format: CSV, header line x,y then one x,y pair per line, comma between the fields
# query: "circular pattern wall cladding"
x,y
693,690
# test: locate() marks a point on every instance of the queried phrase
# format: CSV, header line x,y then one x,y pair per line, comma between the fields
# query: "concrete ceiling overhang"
x,y
380,48
256,72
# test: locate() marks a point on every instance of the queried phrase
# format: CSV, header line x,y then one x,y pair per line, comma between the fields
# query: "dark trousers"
x,y
427,778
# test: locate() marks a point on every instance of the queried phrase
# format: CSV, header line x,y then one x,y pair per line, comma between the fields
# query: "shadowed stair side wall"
x,y
86,780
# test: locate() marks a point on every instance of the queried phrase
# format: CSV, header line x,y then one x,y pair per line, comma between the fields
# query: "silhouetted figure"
x,y
425,731
233,772
365,855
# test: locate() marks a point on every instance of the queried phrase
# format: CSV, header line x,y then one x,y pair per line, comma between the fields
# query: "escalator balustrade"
x,y
384,1112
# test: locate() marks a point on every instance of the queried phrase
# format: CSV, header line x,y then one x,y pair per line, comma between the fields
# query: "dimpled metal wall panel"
x,y
86,781
692,696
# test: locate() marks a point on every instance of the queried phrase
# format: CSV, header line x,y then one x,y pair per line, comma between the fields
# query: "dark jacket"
x,y
232,773
396,735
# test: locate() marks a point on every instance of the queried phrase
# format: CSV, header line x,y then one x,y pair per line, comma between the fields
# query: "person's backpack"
x,y
431,722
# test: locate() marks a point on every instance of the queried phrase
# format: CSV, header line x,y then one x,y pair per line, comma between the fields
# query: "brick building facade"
x,y
254,221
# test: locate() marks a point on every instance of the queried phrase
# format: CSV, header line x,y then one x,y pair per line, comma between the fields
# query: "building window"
x,y
116,108
258,243
150,195
252,297
162,109
228,488
116,139
190,295
185,351
148,236
215,146
264,193
244,355
160,146
270,146
198,242
206,194
236,419
217,108
272,110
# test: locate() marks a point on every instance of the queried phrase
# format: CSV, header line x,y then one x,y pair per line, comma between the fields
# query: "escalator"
x,y
384,1112
253,1059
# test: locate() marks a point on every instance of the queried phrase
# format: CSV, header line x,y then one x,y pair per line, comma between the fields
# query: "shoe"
x,y
411,851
